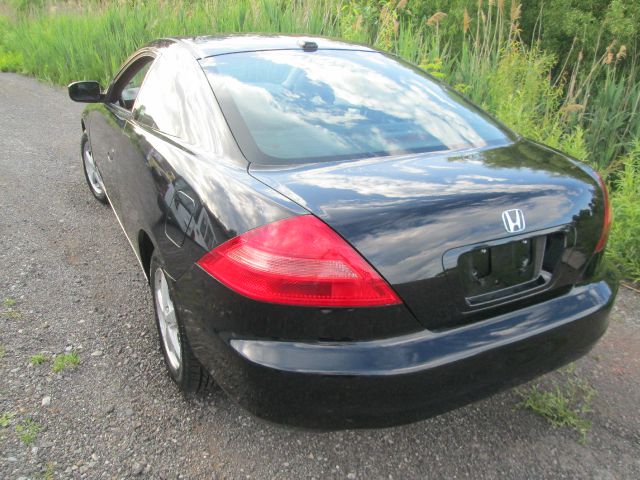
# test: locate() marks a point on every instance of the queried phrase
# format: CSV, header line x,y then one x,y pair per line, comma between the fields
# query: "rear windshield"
x,y
289,106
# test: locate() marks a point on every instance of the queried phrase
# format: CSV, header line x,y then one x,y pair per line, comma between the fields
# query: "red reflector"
x,y
298,261
608,217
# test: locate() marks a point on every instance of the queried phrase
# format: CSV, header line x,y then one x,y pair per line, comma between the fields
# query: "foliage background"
x,y
563,72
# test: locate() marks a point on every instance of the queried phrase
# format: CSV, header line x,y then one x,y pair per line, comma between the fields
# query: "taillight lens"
x,y
298,261
607,217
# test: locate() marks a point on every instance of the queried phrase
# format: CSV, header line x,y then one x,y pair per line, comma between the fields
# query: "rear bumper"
x,y
403,379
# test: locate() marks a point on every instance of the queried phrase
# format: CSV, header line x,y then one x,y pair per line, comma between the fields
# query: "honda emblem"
x,y
513,220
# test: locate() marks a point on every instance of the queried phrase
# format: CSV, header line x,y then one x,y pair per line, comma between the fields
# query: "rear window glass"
x,y
288,106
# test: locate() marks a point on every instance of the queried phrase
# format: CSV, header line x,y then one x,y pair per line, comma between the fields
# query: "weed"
x,y
9,302
9,308
48,473
13,314
38,359
5,419
27,431
562,405
65,360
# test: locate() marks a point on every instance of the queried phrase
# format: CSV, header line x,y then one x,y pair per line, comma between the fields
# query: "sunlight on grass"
x,y
563,404
38,359
27,431
64,361
624,243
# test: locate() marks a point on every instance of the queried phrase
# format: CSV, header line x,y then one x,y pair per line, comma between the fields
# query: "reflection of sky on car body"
x,y
300,105
418,201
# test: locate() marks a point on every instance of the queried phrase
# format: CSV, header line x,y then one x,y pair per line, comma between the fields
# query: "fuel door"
x,y
181,207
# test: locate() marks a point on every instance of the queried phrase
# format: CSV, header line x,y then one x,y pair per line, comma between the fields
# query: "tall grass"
x,y
624,246
66,41
587,107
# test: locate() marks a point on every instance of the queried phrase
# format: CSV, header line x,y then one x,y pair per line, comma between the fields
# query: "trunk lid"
x,y
433,225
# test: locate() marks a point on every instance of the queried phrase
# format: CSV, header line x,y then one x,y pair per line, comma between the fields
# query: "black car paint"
x,y
411,377
337,367
433,204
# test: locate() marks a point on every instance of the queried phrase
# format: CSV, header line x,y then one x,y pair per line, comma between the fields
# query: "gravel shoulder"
x,y
69,282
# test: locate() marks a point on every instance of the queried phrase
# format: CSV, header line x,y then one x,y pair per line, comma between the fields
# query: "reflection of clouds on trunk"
x,y
415,177
403,213
300,105
397,188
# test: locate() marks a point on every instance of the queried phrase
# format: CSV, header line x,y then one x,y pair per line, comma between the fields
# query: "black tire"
x,y
191,376
100,194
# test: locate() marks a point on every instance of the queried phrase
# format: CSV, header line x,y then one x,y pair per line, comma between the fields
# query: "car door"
x,y
108,120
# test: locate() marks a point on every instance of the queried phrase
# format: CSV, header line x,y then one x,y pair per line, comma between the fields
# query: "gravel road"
x,y
70,282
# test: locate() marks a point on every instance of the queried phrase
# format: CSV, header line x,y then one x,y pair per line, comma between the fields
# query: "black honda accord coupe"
x,y
337,239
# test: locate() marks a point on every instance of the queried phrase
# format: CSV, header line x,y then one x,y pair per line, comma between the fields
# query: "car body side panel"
x,y
227,200
104,125
144,169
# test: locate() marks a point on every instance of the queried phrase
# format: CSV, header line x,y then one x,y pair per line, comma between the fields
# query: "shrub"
x,y
624,241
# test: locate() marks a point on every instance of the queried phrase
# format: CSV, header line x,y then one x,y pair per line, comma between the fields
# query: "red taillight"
x,y
298,261
607,217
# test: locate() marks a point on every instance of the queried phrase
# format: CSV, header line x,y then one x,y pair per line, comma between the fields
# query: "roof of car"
x,y
211,45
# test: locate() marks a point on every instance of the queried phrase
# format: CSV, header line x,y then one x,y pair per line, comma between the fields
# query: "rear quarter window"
x,y
176,99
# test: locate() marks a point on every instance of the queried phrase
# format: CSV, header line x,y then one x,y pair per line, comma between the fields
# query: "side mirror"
x,y
85,92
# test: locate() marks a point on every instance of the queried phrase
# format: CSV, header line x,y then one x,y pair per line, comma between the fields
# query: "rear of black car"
x,y
433,266
470,322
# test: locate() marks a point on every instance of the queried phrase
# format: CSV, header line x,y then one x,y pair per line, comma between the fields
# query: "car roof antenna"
x,y
308,46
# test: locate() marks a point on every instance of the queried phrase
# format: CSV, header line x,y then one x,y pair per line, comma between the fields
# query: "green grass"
x,y
624,243
9,302
27,431
5,419
564,404
64,361
10,310
38,359
49,472
91,42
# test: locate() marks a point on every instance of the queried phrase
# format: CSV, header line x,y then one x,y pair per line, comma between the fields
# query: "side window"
x,y
176,99
128,86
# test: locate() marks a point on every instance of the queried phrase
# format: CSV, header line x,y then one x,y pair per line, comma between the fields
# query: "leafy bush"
x,y
624,242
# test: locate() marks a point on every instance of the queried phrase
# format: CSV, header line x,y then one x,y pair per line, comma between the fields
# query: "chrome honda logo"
x,y
513,220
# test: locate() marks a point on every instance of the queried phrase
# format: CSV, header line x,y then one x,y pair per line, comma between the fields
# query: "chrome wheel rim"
x,y
95,180
167,321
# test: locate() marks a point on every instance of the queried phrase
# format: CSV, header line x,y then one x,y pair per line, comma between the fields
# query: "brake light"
x,y
297,261
607,217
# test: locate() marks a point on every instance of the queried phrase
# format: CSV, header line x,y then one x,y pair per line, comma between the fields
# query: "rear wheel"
x,y
184,368
91,173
